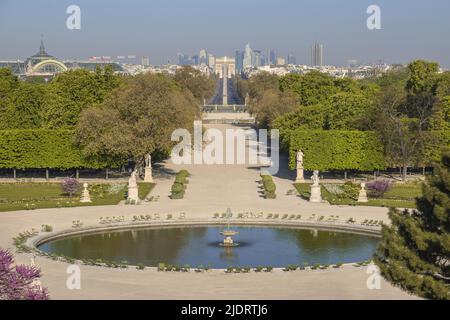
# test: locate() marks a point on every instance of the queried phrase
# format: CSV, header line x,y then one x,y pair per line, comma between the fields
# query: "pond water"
x,y
258,246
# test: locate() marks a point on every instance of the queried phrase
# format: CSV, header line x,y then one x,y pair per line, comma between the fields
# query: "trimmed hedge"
x,y
179,186
269,187
41,149
337,150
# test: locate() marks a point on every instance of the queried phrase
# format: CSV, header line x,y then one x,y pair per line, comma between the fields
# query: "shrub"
x,y
70,186
378,188
269,186
17,282
47,228
140,266
179,186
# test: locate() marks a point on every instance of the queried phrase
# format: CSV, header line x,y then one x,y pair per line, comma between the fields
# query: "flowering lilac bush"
x,y
378,188
70,186
19,282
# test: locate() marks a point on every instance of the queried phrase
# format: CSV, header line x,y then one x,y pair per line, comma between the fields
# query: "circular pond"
x,y
194,246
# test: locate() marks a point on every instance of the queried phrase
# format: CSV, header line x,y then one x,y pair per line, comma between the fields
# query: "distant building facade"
x,y
45,65
317,55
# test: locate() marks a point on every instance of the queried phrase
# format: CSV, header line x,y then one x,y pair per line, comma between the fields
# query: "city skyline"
x,y
161,29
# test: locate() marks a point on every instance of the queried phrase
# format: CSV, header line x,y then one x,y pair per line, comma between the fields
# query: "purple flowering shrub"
x,y
378,188
19,282
70,186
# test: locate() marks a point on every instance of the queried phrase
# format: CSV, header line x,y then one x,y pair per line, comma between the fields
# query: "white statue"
x,y
148,176
85,196
316,193
300,172
133,192
362,198
315,178
300,156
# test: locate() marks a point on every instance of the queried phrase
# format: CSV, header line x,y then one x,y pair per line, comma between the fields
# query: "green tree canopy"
x,y
137,119
201,86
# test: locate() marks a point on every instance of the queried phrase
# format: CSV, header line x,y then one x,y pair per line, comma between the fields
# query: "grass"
x,y
144,189
28,196
399,196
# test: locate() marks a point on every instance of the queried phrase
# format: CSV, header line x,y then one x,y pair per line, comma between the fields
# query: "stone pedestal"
x,y
316,194
148,176
362,198
300,176
85,196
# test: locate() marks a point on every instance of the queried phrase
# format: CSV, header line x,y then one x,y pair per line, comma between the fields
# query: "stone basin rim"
x,y
42,238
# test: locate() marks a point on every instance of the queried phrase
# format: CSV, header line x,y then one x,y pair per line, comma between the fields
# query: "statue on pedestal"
x,y
85,196
316,194
300,172
133,192
148,176
362,198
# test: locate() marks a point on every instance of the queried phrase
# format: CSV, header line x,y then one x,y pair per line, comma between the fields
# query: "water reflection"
x,y
200,246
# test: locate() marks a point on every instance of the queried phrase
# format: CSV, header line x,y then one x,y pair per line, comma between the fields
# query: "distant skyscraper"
x,y
211,61
257,58
248,53
291,59
185,60
203,57
239,58
317,54
272,57
145,61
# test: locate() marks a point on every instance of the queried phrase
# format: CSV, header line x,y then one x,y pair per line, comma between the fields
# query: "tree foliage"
x,y
337,150
19,282
41,148
137,119
201,86
415,250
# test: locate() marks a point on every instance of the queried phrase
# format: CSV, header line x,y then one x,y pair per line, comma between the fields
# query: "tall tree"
x,y
415,250
137,119
201,86
404,116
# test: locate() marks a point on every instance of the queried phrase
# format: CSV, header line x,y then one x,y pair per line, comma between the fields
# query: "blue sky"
x,y
160,29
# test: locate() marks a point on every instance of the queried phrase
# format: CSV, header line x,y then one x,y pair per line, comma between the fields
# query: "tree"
x,y
404,116
312,88
347,111
415,250
19,282
260,83
422,77
70,186
197,83
73,91
8,84
137,119
273,104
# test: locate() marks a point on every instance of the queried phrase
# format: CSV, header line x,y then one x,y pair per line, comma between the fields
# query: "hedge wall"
x,y
337,150
40,148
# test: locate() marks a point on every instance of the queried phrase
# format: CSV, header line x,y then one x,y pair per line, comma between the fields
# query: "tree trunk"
x,y
107,174
14,174
47,175
423,171
345,175
404,173
77,174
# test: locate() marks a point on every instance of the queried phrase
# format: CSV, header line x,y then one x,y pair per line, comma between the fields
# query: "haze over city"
x,y
161,29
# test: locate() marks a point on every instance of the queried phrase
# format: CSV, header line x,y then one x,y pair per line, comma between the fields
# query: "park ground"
x,y
212,189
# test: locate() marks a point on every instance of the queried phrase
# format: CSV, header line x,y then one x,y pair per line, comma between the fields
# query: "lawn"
x,y
399,196
28,196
